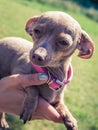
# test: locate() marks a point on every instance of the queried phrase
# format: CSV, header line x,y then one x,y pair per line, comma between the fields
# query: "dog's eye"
x,y
37,31
63,42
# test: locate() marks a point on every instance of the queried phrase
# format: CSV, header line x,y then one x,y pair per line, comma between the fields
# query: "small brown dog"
x,y
56,36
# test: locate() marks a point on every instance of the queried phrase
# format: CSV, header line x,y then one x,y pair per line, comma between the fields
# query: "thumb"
x,y
33,79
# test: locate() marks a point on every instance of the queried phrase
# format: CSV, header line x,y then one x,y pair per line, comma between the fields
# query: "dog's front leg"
x,y
30,104
69,121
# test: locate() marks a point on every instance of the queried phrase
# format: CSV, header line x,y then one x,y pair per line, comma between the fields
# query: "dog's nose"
x,y
39,55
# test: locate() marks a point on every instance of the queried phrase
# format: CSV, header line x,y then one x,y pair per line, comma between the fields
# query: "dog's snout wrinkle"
x,y
41,51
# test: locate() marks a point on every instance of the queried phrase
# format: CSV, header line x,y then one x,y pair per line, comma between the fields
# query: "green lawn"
x,y
82,94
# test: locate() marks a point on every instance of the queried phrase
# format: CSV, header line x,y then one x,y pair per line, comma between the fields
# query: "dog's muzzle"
x,y
39,55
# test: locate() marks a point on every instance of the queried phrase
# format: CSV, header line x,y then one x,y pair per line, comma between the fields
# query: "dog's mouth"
x,y
49,62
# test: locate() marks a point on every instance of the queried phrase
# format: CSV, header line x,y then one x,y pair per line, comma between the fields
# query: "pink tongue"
x,y
39,69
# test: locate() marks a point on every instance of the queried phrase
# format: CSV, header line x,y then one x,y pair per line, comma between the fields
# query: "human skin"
x,y
12,90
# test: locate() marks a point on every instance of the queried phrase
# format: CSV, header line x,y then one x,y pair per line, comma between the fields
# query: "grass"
x,y
82,94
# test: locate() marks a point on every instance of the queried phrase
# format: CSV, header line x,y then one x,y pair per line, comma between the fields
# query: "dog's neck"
x,y
60,72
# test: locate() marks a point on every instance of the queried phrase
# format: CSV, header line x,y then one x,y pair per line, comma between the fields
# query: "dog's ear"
x,y
30,24
85,46
32,20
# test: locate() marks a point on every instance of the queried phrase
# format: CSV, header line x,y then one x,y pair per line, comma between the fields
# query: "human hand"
x,y
12,94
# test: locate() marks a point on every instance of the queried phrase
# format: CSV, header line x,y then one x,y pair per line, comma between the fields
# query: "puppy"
x,y
56,36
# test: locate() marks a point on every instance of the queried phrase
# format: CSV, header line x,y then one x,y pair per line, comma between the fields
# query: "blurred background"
x,y
81,96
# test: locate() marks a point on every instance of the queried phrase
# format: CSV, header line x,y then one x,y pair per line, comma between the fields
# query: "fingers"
x,y
24,80
33,79
46,111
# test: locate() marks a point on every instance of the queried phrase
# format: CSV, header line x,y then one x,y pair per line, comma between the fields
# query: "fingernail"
x,y
43,76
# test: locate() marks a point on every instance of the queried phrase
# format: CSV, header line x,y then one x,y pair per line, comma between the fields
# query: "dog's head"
x,y
56,36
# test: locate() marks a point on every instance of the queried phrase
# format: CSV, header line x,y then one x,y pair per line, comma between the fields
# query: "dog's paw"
x,y
3,124
26,113
70,123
